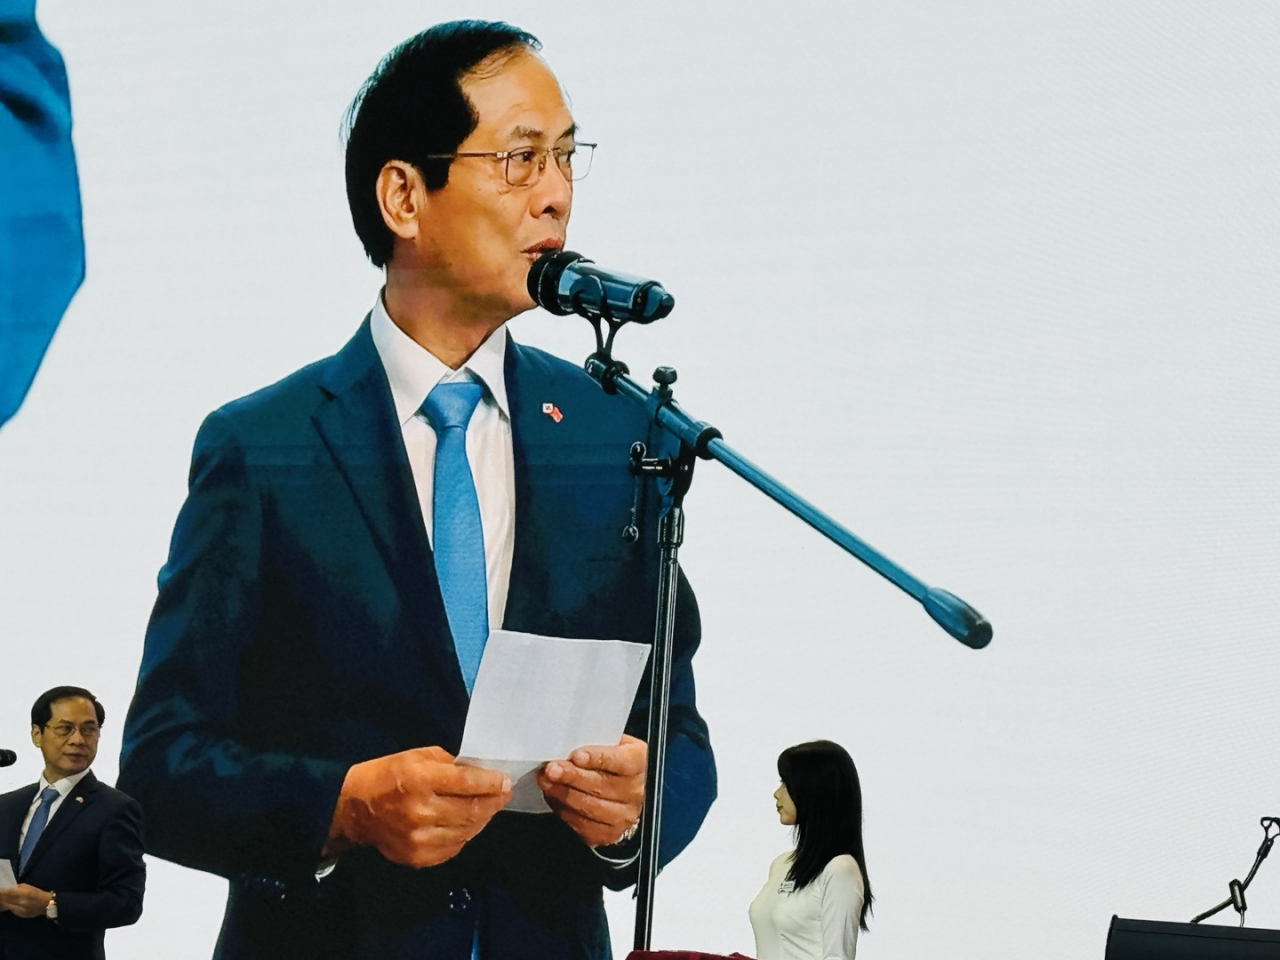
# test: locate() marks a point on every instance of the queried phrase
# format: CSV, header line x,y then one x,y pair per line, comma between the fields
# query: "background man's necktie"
x,y
457,537
38,823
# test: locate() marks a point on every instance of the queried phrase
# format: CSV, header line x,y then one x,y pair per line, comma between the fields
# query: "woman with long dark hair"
x,y
817,896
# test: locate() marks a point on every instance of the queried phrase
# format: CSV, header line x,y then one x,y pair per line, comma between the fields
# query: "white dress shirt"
x,y
413,371
818,922
63,786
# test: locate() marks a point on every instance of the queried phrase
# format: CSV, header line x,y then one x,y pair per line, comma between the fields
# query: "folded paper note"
x,y
540,698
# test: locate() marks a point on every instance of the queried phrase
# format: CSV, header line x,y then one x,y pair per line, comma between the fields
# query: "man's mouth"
x,y
543,247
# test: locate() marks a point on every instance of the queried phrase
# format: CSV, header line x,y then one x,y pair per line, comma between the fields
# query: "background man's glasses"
x,y
524,165
89,731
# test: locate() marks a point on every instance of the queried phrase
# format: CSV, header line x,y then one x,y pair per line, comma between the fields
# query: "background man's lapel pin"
x,y
552,411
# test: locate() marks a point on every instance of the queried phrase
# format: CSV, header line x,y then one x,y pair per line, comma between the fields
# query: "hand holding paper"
x,y
417,807
25,901
598,791
7,880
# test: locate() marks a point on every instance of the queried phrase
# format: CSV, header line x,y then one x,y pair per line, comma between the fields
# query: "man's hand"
x,y
599,790
25,900
417,807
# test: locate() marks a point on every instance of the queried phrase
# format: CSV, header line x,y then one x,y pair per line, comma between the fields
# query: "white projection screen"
x,y
995,284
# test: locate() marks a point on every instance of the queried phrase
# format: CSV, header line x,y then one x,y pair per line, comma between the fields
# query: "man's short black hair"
x,y
42,709
413,105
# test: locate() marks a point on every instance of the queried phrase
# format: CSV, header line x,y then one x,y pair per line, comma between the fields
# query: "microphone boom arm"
x,y
949,611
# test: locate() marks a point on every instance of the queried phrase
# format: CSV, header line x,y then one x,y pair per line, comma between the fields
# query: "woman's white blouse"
x,y
819,922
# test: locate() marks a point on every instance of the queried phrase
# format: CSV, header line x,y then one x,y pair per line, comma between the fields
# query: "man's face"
x,y
480,235
66,749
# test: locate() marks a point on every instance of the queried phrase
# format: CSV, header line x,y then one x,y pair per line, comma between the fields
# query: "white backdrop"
x,y
992,282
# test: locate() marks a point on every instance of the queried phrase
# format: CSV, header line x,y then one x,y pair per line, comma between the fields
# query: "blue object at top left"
x,y
41,235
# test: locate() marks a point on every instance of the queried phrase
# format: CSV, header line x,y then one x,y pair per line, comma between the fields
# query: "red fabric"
x,y
682,955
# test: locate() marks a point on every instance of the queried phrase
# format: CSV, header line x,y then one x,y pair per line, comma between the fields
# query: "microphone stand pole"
x,y
698,439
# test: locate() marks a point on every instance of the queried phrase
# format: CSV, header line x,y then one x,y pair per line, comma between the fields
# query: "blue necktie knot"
x,y
452,404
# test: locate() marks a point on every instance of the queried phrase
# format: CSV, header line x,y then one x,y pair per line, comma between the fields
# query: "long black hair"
x,y
823,784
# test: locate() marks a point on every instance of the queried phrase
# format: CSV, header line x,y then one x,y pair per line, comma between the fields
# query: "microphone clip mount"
x,y
589,301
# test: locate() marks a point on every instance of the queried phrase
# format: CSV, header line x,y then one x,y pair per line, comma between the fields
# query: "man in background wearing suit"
x,y
351,534
75,844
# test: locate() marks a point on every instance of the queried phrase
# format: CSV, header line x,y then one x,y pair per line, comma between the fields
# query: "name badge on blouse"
x,y
787,886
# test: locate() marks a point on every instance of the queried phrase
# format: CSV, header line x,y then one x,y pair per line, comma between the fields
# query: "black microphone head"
x,y
653,303
544,280
8,758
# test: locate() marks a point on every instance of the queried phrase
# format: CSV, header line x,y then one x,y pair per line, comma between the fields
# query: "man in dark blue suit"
x,y
75,844
351,533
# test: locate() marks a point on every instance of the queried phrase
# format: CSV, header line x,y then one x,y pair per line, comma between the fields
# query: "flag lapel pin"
x,y
552,411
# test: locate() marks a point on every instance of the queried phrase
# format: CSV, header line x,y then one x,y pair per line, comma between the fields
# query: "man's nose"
x,y
553,193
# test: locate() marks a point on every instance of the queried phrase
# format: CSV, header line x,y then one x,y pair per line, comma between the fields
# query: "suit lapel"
x,y
12,814
81,796
538,441
358,426
574,498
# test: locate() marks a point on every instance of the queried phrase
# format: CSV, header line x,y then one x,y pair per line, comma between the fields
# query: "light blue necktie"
x,y
38,823
458,539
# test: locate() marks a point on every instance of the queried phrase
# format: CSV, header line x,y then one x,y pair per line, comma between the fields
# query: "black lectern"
x,y
1154,940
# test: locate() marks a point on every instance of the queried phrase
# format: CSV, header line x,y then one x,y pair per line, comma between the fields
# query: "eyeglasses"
x,y
90,731
524,165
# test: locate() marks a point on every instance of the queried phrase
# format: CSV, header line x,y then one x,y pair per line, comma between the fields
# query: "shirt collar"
x,y
63,786
413,371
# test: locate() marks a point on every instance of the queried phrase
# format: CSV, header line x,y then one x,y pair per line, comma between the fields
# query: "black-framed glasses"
x,y
90,731
523,166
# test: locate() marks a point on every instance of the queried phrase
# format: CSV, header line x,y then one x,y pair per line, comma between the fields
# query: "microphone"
x,y
567,282
8,758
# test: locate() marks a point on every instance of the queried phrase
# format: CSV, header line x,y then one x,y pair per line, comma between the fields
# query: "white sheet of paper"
x,y
540,698
7,879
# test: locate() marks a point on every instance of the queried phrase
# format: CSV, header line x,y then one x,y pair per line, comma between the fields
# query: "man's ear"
x,y
402,197
35,735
